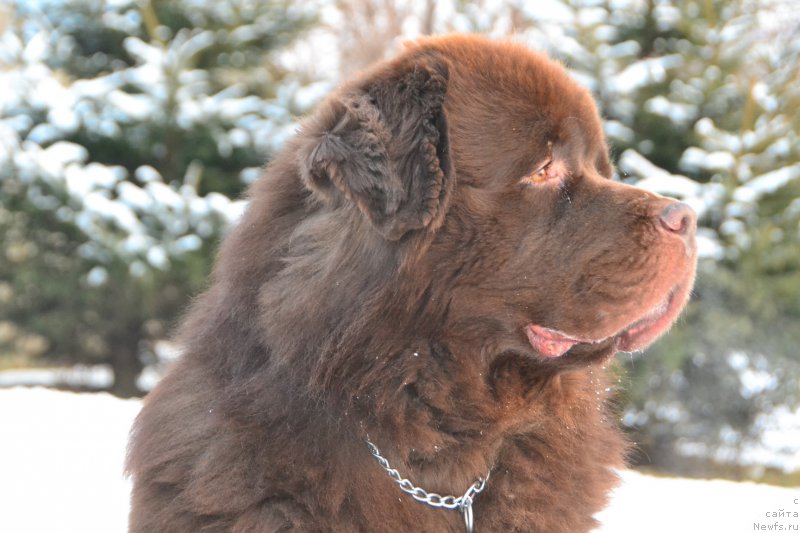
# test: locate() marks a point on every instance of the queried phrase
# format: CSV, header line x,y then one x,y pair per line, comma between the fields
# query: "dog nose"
x,y
678,218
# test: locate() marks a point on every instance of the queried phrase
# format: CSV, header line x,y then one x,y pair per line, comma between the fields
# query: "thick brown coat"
x,y
383,283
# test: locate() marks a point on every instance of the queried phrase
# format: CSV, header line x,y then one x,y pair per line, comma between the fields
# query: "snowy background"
x,y
61,460
130,128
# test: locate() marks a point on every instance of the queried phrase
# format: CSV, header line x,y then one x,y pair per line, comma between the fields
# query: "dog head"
x,y
490,163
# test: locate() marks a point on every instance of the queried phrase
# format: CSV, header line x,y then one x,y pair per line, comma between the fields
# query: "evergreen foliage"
x,y
128,130
129,127
708,91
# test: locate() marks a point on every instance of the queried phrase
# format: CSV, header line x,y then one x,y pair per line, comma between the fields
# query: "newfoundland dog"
x,y
409,328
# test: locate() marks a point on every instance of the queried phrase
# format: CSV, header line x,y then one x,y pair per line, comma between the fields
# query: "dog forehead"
x,y
508,87
505,68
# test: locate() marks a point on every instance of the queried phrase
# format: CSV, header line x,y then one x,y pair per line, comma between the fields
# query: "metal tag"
x,y
466,508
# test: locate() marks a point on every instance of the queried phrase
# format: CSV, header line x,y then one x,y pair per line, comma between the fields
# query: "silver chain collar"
x,y
462,503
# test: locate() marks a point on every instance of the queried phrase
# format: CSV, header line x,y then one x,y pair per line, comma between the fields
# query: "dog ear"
x,y
383,145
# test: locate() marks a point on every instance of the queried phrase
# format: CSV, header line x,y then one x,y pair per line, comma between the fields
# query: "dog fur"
x,y
386,282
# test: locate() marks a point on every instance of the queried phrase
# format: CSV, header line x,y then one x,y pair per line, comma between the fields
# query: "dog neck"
x,y
444,434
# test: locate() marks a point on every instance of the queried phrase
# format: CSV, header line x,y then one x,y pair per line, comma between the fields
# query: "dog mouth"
x,y
638,334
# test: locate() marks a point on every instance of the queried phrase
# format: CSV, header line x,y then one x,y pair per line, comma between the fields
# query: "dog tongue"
x,y
549,342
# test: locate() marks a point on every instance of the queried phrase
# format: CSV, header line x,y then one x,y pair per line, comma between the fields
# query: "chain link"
x,y
462,503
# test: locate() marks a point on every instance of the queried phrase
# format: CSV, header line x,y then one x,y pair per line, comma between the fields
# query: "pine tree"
x,y
127,133
723,116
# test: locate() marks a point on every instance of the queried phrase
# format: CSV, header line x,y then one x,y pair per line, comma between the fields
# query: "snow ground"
x,y
61,458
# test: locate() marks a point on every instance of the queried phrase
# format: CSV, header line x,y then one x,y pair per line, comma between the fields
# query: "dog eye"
x,y
541,174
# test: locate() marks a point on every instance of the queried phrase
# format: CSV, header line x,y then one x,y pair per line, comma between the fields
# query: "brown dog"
x,y
440,265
